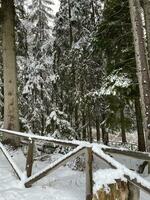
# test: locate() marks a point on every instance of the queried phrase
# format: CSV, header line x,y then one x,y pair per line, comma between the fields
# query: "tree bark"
x,y
142,66
141,139
146,7
11,116
105,136
70,25
90,127
83,126
97,129
123,133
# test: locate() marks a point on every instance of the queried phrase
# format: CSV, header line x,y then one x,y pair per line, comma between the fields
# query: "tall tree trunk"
x,y
83,126
93,12
146,7
1,71
141,139
76,118
105,136
123,133
11,117
142,66
90,127
70,25
97,129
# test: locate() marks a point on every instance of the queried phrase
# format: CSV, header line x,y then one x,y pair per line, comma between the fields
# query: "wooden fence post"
x,y
134,192
89,174
29,162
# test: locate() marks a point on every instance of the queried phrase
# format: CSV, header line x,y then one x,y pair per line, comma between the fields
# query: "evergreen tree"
x,y
38,74
75,64
114,39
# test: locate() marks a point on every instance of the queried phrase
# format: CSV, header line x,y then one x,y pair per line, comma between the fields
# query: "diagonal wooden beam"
x,y
53,166
11,162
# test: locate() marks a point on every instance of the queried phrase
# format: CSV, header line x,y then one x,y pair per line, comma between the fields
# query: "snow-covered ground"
x,y
63,184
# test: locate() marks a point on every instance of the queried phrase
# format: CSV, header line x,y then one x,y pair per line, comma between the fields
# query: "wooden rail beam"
x,y
43,138
133,154
53,166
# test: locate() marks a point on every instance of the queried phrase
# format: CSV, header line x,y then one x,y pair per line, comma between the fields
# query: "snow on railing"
x,y
89,150
131,176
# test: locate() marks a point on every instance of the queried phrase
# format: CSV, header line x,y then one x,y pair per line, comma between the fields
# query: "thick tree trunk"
x,y
11,117
142,66
146,7
123,133
1,70
141,139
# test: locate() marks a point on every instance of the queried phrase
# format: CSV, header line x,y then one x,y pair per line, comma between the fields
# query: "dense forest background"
x,y
76,71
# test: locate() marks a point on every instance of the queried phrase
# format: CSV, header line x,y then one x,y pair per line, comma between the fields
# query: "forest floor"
x,y
63,184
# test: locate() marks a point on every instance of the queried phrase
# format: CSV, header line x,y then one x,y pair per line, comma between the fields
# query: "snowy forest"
x,y
76,73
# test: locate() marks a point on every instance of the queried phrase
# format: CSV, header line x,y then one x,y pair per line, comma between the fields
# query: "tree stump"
x,y
115,191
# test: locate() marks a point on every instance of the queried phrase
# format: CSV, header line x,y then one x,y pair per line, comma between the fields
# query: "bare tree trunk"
x,y
70,25
123,133
142,66
141,139
97,129
11,117
146,7
76,117
1,70
105,136
83,126
90,127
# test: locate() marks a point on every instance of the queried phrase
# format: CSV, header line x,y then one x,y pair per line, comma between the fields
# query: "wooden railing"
x,y
80,148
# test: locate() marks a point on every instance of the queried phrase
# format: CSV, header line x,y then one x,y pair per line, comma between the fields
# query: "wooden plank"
x,y
133,154
43,138
89,173
130,179
29,162
11,162
52,167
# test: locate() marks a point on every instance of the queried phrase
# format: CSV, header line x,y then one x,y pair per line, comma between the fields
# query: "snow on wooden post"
x,y
29,162
89,173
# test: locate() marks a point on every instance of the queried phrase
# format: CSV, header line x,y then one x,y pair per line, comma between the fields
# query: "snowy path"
x,y
64,184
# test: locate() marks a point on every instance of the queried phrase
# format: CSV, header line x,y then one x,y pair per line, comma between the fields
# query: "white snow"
x,y
103,177
63,184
